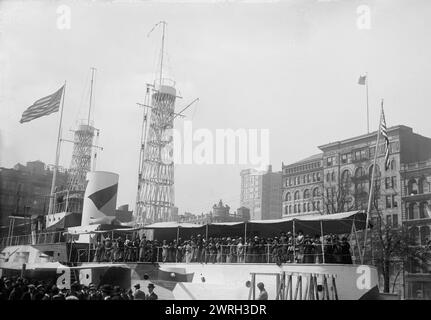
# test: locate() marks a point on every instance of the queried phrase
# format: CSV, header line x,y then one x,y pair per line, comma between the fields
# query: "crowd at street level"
x,y
287,248
18,288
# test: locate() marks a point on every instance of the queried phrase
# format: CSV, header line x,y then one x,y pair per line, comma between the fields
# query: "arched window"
x,y
422,183
318,205
318,176
290,208
414,231
359,172
413,211
413,187
308,178
345,178
425,235
316,192
305,207
303,179
286,210
328,177
422,210
294,209
314,177
306,194
309,206
296,195
287,197
333,176
299,208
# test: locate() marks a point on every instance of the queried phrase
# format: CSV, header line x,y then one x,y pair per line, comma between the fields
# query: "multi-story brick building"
x,y
342,174
416,214
261,193
25,191
303,186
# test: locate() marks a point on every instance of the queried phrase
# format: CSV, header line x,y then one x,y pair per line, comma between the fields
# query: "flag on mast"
x,y
43,106
384,133
362,79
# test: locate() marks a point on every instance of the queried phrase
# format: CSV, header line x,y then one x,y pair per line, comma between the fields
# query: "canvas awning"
x,y
338,223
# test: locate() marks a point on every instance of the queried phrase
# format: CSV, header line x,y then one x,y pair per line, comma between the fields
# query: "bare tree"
x,y
393,245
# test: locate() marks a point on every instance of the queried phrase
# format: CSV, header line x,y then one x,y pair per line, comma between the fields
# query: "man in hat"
x,y
151,295
28,295
138,294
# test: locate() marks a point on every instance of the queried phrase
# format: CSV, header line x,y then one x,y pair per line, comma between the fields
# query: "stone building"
x,y
25,191
303,186
261,193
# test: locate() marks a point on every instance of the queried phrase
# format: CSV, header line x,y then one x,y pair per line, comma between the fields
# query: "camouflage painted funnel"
x,y
100,197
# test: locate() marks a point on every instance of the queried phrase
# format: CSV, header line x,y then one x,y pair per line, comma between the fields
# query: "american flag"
x,y
384,133
43,106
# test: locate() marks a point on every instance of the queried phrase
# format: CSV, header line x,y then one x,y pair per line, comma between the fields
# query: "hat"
x,y
137,286
150,285
40,287
31,286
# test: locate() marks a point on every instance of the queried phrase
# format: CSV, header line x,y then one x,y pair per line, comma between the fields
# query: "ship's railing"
x,y
34,239
225,254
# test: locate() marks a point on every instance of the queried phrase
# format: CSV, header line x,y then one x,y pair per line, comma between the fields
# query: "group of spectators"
x,y
22,289
286,248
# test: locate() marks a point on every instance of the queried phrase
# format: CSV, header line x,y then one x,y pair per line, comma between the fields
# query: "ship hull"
x,y
197,281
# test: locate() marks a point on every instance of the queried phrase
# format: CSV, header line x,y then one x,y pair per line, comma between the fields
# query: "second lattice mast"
x,y
83,149
155,197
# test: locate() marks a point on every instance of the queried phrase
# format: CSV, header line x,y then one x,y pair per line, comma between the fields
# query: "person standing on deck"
x,y
317,249
240,251
346,258
142,246
300,247
263,295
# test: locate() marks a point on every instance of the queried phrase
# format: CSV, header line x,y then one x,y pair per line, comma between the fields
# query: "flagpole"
x,y
368,109
370,197
57,154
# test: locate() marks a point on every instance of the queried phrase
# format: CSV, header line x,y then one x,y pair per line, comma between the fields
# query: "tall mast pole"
x,y
57,154
370,197
93,70
162,52
368,112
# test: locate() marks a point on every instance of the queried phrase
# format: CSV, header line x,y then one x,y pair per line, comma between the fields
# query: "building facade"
x,y
303,186
261,193
220,213
25,191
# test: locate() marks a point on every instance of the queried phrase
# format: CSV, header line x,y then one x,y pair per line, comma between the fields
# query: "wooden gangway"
x,y
291,286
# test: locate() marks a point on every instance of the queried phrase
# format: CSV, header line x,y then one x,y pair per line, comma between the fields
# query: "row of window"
x,y
418,186
306,194
306,178
305,207
421,211
304,167
354,156
391,202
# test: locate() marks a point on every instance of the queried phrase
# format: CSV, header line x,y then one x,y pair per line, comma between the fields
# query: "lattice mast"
x,y
82,148
155,196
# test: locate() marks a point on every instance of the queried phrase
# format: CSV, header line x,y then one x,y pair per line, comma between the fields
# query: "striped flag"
x,y
384,133
362,79
43,106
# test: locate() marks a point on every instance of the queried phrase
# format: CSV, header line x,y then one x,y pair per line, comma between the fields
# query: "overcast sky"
x,y
290,67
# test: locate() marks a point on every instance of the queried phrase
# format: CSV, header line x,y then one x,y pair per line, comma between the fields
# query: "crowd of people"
x,y
285,248
23,289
